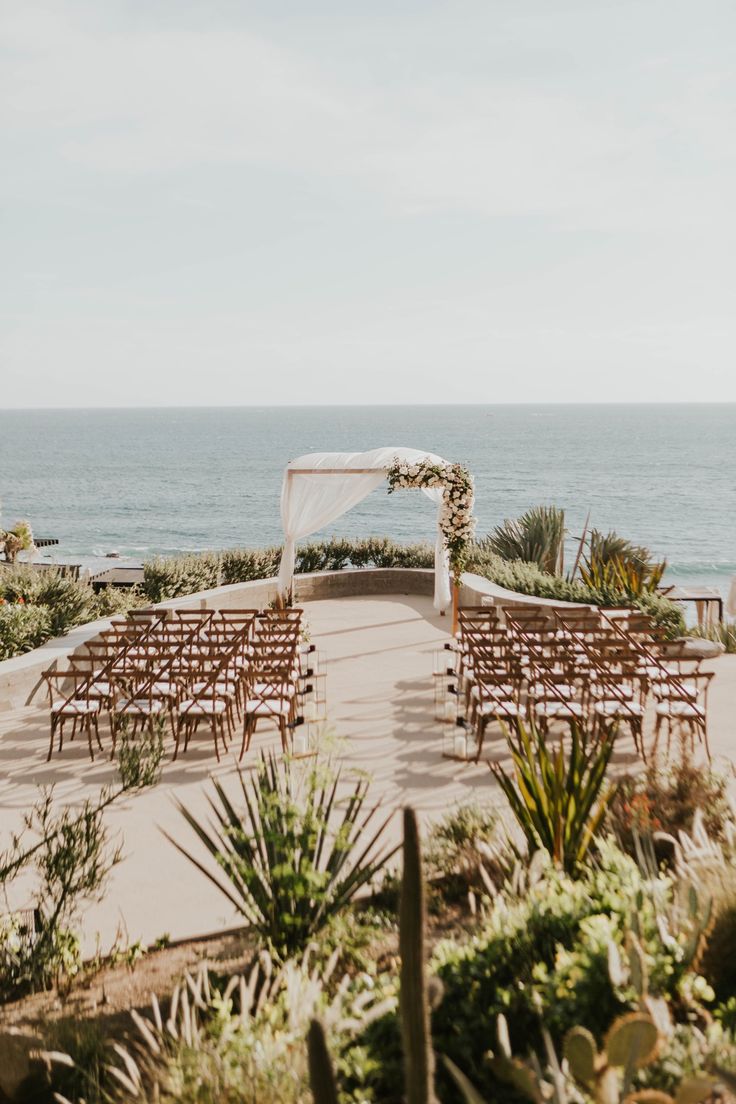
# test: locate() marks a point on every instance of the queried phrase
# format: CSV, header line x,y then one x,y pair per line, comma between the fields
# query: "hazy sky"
x,y
389,200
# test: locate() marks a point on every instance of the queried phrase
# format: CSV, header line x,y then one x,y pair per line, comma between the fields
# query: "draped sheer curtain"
x,y
309,501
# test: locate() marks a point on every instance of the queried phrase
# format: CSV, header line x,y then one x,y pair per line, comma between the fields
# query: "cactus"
x,y
321,1074
414,998
416,995
632,1042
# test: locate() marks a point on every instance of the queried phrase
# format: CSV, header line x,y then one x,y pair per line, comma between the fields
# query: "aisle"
x,y
379,653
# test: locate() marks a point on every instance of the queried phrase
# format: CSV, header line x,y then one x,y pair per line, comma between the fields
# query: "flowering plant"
x,y
456,520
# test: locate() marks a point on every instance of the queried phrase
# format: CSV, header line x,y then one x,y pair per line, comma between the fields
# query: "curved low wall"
x,y
477,591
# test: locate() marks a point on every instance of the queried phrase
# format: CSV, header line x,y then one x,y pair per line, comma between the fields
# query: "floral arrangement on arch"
x,y
456,520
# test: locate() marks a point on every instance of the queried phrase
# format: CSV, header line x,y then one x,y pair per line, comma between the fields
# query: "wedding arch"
x,y
321,486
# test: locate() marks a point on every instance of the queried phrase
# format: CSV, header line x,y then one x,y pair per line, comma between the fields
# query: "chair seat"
x,y
601,690
658,670
680,691
551,690
502,709
202,707
270,707
226,686
504,690
165,688
100,688
558,709
270,691
611,708
141,706
77,707
676,708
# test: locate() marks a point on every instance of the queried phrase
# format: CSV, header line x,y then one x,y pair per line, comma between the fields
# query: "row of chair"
x,y
184,669
581,666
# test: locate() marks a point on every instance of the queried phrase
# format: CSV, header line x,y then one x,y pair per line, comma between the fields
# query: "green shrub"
x,y
241,565
465,840
23,628
243,1043
117,601
547,949
294,853
171,577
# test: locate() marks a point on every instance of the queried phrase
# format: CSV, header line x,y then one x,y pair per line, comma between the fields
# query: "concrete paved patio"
x,y
378,653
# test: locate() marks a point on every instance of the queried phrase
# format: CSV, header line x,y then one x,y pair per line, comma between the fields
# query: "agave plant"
x,y
614,563
558,799
536,537
294,853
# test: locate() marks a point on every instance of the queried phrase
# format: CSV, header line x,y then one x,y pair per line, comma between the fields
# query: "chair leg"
x,y
51,740
178,728
704,730
88,727
655,742
97,731
480,732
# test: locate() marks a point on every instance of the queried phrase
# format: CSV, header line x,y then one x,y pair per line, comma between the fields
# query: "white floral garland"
x,y
456,520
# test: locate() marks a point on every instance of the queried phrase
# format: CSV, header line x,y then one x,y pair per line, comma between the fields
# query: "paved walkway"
x,y
379,657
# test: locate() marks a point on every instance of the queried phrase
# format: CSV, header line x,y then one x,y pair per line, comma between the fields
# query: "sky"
x,y
332,201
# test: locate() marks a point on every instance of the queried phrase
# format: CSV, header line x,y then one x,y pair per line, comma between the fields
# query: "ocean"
x,y
147,481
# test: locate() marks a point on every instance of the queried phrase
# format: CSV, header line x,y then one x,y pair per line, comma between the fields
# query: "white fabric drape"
x,y
731,600
311,501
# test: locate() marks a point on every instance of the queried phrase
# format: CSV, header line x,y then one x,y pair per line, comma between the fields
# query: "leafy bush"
x,y
22,628
36,605
547,951
116,601
554,942
665,798
536,537
615,563
295,854
171,577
